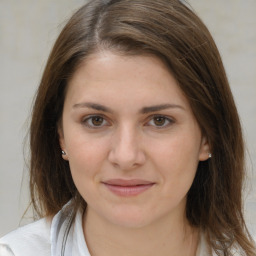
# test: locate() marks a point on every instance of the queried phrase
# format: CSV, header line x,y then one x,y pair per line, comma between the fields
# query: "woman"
x,y
136,144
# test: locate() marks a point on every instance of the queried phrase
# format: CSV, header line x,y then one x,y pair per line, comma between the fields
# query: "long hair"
x,y
170,30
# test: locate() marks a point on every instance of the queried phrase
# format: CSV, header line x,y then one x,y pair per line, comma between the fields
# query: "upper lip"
x,y
131,182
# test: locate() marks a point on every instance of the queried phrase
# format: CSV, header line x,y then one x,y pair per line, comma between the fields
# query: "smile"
x,y
127,188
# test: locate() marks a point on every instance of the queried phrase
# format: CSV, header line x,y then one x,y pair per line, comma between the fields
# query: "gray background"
x,y
28,29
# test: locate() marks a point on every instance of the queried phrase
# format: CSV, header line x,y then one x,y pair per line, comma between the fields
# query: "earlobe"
x,y
62,144
205,152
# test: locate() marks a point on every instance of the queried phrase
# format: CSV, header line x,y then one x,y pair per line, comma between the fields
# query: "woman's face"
x,y
131,139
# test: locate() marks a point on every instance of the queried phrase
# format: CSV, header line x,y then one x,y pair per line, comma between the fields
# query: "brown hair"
x,y
170,30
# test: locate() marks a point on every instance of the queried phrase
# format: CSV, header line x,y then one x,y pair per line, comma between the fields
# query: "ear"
x,y
204,152
62,143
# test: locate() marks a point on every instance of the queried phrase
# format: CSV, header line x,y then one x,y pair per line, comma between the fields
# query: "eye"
x,y
95,122
160,121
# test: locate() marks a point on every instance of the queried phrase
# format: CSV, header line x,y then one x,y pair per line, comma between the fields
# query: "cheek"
x,y
176,151
86,160
176,160
86,156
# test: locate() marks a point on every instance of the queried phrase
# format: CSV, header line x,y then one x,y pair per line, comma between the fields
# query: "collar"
x,y
67,236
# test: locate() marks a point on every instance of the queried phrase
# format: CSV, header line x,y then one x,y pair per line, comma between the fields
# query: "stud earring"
x,y
63,152
209,155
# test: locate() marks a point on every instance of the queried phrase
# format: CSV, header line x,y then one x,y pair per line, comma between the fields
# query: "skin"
x,y
132,140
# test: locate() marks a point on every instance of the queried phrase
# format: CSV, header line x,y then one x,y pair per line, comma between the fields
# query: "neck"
x,y
172,237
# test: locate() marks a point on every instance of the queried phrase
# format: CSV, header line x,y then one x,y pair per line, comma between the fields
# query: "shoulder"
x,y
32,239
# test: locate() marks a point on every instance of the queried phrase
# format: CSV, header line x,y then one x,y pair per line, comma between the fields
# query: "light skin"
x,y
125,118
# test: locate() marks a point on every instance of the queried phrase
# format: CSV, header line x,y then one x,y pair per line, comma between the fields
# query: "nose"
x,y
126,149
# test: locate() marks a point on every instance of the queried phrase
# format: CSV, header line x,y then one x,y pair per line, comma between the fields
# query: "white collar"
x,y
67,236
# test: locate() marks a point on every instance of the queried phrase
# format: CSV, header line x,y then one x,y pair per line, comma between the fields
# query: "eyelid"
x,y
88,117
106,122
169,119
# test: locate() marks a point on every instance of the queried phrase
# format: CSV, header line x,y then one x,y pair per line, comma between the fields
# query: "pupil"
x,y
97,121
159,121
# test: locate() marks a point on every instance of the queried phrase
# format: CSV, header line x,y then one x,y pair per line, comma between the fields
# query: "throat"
x,y
111,240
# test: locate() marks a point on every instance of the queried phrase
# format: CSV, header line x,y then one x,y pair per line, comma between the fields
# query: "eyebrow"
x,y
155,108
144,110
93,106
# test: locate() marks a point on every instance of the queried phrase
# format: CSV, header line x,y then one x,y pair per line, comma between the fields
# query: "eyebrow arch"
x,y
144,110
155,108
95,106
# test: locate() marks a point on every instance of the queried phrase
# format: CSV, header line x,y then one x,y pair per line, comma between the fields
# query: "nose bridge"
x,y
127,140
126,151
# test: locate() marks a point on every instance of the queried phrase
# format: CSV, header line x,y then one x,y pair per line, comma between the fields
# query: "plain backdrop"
x,y
28,30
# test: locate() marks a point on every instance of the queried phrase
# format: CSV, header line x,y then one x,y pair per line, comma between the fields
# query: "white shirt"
x,y
43,238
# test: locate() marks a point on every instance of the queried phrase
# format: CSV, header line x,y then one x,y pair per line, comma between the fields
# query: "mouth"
x,y
127,188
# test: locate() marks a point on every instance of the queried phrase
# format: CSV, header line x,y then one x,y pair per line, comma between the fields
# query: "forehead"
x,y
115,76
112,64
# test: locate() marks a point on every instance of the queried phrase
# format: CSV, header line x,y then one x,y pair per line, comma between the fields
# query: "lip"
x,y
127,188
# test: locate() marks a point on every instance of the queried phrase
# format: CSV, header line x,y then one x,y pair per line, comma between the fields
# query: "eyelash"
x,y
90,119
167,121
165,118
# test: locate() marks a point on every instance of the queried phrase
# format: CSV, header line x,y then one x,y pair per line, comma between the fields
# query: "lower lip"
x,y
127,191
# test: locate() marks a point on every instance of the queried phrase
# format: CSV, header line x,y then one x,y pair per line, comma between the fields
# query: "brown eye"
x,y
95,122
159,120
